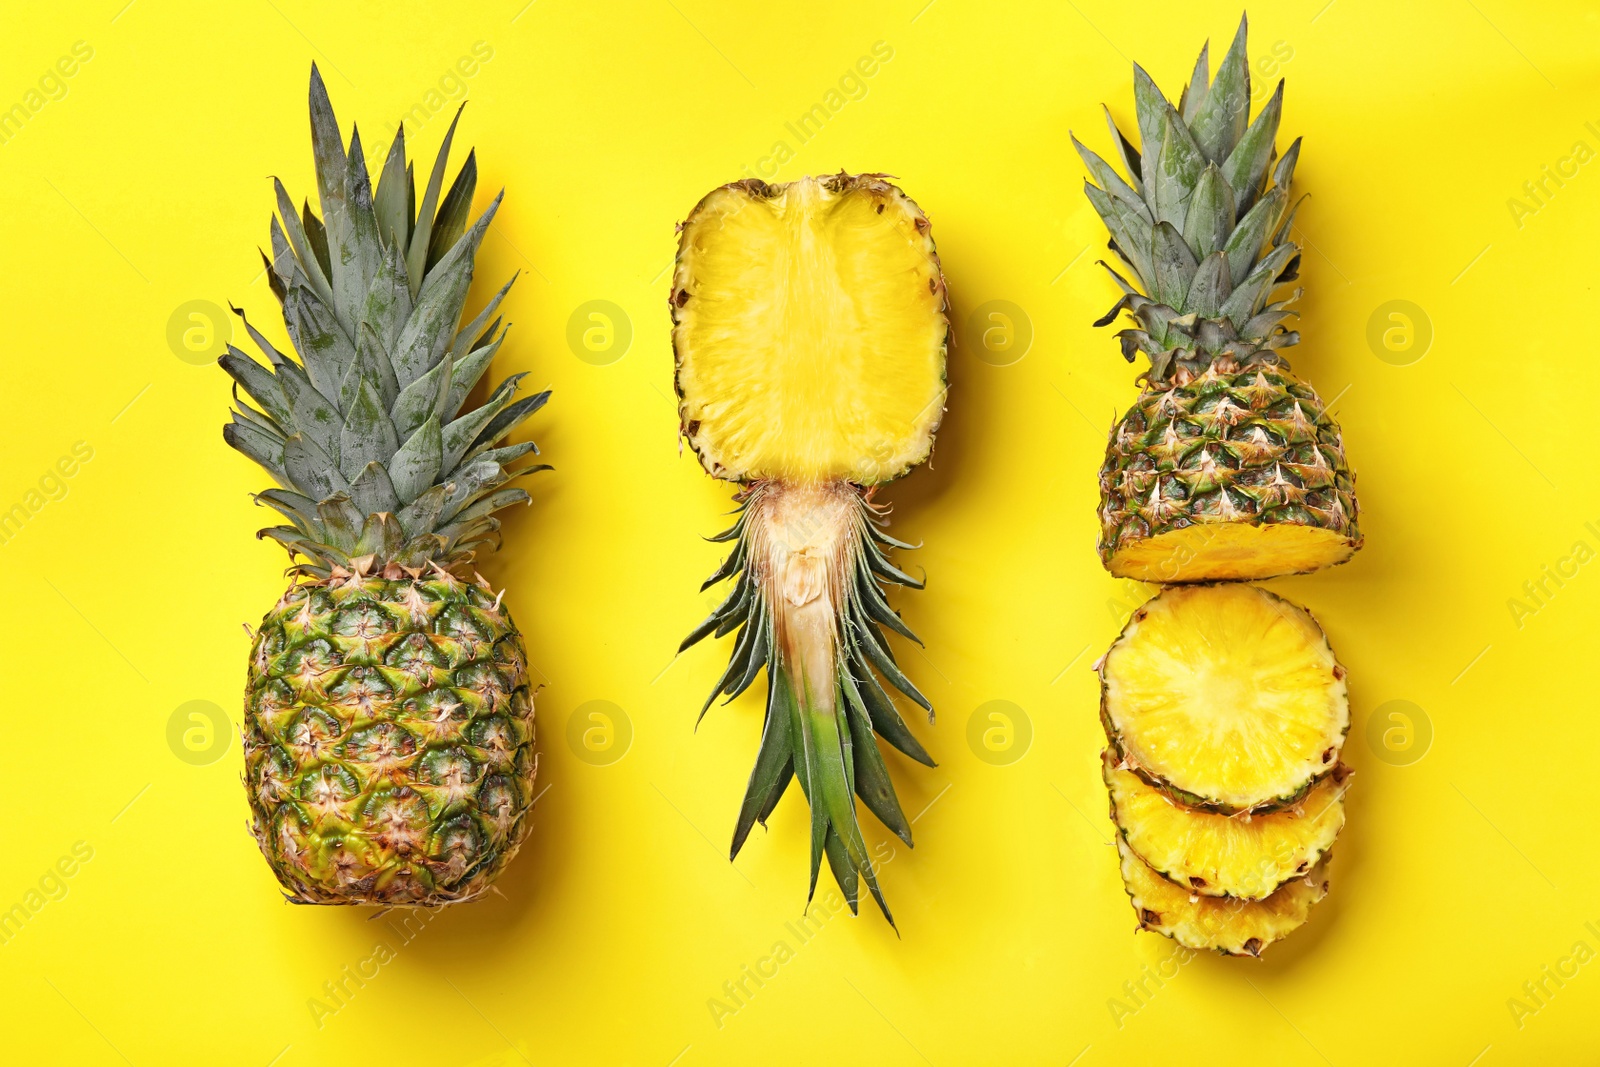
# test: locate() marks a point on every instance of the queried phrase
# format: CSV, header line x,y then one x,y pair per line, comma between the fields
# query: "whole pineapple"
x,y
1228,466
388,731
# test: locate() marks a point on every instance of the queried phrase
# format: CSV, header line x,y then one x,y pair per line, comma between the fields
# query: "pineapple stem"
x,y
809,559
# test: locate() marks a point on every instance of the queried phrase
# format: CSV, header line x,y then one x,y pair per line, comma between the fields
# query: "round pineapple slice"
x,y
1231,927
1242,856
809,329
1226,697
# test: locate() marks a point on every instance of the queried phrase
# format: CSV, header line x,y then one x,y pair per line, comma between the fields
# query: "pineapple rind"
x,y
1298,761
1254,447
1245,857
1221,924
389,740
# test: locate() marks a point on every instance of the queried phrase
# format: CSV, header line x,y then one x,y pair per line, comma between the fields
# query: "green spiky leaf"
x,y
1222,238
368,411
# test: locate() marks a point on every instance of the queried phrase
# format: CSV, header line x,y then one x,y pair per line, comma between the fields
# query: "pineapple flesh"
x,y
1228,466
809,326
389,722
810,334
1222,924
1246,857
1226,697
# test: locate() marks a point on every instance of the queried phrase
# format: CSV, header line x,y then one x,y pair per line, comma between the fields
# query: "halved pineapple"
x,y
810,333
1232,927
1243,856
1226,697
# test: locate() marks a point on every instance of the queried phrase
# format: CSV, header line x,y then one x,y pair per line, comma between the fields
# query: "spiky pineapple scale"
x,y
1193,461
388,739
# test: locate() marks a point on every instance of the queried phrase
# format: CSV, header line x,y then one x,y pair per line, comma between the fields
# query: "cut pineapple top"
x,y
1245,856
1226,696
810,331
1228,466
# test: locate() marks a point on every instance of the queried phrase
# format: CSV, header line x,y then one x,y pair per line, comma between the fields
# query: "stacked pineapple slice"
x,y
1224,706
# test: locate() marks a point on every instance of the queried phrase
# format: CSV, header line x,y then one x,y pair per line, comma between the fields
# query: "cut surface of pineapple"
x,y
1242,856
1231,551
809,331
1227,697
1222,924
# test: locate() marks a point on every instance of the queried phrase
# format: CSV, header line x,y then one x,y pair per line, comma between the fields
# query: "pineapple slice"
x,y
1231,927
1246,857
1226,697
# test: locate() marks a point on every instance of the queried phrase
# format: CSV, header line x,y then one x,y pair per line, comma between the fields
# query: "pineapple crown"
x,y
381,464
1205,232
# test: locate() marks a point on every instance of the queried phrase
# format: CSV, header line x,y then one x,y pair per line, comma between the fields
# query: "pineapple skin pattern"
x,y
1255,445
388,739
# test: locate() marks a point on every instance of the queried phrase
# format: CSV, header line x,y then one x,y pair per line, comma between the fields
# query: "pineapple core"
x,y
810,331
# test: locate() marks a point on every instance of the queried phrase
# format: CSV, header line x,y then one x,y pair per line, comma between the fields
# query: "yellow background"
x,y
1461,875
